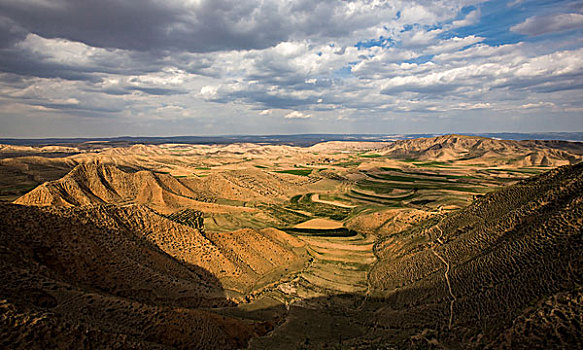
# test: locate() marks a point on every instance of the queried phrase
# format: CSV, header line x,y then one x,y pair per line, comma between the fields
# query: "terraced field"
x,y
367,246
339,265
428,186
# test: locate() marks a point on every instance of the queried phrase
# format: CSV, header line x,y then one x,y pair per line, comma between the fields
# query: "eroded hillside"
x,y
78,278
453,241
472,149
472,274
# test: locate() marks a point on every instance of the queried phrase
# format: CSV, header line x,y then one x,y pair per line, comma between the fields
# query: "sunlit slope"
x,y
241,262
251,184
91,184
471,275
474,149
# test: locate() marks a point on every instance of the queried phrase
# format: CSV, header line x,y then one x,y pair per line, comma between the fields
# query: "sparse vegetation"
x,y
371,155
299,172
422,244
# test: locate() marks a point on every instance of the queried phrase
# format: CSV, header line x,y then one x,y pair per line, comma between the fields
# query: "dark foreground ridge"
x,y
504,272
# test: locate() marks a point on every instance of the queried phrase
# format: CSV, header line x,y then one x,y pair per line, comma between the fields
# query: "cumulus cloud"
x,y
297,115
367,60
520,72
196,26
545,24
471,18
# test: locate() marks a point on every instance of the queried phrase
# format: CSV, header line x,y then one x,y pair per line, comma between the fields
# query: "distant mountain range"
x,y
294,140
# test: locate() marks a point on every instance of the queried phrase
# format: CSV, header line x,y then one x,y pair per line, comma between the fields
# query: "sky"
x,y
88,68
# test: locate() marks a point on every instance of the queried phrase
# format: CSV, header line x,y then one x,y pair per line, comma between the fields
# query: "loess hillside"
x,y
454,242
505,271
93,184
73,277
472,149
126,276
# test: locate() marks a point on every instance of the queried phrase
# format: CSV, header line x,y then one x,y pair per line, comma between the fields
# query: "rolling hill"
x,y
474,149
444,242
92,184
78,276
482,276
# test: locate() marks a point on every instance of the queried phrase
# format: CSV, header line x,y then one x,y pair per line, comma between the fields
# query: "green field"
x,y
299,172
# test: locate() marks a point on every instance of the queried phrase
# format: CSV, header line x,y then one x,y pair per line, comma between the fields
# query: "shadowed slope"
x,y
73,277
238,262
477,271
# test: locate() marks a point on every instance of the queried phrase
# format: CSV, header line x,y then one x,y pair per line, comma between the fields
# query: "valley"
x,y
450,241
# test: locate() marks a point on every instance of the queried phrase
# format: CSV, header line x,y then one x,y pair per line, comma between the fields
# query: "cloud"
x,y
10,32
297,115
209,92
470,19
518,72
195,26
539,25
514,3
369,61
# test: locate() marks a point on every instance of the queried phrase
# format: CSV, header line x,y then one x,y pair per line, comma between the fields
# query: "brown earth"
x,y
112,250
389,221
469,277
473,149
90,184
74,278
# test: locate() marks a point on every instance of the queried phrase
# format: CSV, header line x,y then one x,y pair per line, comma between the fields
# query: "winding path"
x,y
446,275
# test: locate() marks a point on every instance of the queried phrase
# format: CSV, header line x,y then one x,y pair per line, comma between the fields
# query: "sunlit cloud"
x,y
359,63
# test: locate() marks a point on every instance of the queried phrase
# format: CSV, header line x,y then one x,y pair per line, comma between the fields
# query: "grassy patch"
x,y
372,155
391,169
284,215
295,199
387,188
348,164
305,203
299,172
233,202
392,177
338,232
422,201
434,164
